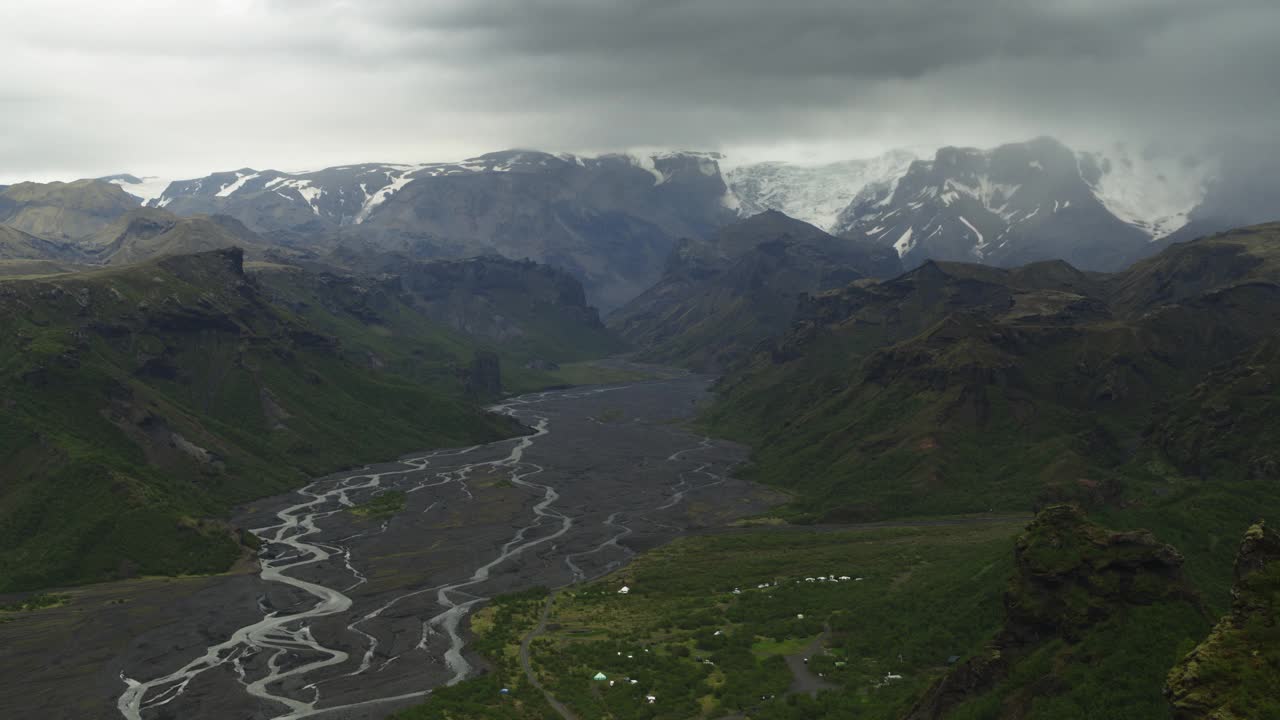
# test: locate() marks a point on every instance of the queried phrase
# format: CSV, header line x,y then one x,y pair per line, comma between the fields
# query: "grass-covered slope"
x,y
140,403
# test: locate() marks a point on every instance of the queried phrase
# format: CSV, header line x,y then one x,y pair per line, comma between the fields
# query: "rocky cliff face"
x,y
484,376
1232,675
1071,575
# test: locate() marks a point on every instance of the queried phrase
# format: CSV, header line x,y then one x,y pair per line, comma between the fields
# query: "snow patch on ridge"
x,y
232,187
304,188
904,244
380,196
981,242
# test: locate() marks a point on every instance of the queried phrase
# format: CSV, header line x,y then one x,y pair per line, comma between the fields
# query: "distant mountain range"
x,y
613,220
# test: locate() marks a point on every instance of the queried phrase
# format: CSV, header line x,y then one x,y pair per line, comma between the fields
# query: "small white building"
x,y
625,590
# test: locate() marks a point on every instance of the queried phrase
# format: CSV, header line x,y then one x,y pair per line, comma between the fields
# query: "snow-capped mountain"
x,y
1024,202
611,219
350,194
1018,202
816,194
273,200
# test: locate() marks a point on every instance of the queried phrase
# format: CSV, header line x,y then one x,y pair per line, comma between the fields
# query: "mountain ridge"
x,y
613,219
719,297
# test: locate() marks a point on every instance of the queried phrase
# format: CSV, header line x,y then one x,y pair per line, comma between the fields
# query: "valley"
x,y
628,360
352,614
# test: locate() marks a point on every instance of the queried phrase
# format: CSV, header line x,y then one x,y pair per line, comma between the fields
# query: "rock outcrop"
x,y
484,377
1071,574
1235,673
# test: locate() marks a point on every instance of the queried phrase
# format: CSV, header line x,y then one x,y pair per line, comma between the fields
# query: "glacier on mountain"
x,y
1151,190
813,193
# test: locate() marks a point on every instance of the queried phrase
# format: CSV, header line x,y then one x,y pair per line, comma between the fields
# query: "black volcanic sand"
x,y
624,469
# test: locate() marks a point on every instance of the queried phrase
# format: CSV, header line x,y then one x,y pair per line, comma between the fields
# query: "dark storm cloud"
x,y
298,82
753,70
888,39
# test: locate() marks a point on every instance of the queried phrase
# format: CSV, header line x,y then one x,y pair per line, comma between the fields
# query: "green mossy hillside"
x,y
141,403
1149,396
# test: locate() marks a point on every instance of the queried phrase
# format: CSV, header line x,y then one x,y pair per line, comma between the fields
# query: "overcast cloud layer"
x,y
183,88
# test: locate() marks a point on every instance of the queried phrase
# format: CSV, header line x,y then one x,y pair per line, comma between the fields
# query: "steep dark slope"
x,y
408,315
719,297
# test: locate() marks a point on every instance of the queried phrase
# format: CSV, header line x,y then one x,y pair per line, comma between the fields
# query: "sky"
x,y
181,89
